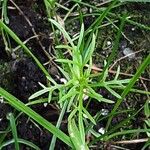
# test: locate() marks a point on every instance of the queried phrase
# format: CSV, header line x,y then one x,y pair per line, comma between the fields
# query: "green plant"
x,y
79,83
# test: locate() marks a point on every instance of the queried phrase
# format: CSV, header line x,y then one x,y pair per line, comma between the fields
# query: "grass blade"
x,y
11,118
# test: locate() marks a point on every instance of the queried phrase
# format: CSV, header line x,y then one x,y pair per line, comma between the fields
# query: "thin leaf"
x,y
13,129
89,51
80,36
66,74
117,73
74,134
70,93
39,93
97,96
61,115
65,61
147,109
89,116
112,91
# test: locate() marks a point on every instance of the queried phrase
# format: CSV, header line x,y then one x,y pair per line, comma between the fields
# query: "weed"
x,y
79,85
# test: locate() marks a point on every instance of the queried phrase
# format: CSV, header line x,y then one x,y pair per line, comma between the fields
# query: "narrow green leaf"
x,y
13,129
97,96
147,109
70,103
39,93
148,122
117,74
120,82
89,116
80,36
127,132
70,93
51,80
62,113
4,11
89,51
112,91
65,61
75,135
66,74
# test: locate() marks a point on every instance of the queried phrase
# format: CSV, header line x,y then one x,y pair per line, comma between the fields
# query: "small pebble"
x,y
108,43
85,116
104,112
123,45
1,100
63,80
101,130
133,29
128,52
45,104
85,97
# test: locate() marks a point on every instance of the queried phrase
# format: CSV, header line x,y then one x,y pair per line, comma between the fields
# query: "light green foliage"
x,y
79,84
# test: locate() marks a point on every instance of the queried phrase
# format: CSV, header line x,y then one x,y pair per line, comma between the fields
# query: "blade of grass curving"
x,y
131,90
39,93
35,116
88,53
61,115
80,116
74,134
11,118
16,38
142,67
22,141
4,11
80,37
127,132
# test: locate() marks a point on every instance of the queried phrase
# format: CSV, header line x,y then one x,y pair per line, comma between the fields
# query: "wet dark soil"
x,y
20,75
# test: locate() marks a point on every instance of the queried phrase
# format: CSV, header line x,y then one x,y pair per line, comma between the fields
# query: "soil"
x,y
20,76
